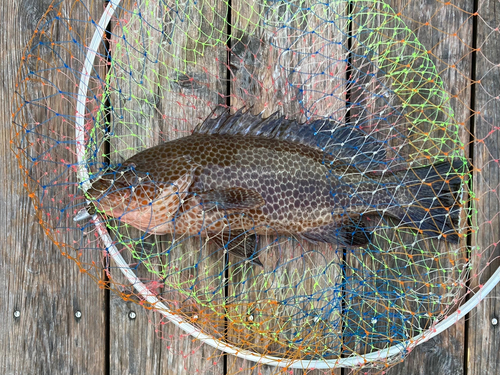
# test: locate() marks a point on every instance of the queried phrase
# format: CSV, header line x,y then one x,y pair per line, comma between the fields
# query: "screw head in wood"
x,y
17,314
132,315
494,321
78,314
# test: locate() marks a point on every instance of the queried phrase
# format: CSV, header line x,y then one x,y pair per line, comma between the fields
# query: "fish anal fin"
x,y
350,232
241,244
232,199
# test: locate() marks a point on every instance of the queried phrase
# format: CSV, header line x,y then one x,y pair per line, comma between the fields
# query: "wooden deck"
x,y
54,320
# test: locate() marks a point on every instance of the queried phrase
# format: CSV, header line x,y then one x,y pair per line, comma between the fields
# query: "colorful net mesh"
x,y
399,77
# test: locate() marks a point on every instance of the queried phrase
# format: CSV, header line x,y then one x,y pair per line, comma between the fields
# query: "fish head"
x,y
137,200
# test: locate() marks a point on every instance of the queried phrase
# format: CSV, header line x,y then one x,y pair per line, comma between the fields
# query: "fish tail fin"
x,y
436,193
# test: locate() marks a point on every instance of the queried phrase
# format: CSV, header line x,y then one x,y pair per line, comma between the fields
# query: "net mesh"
x,y
398,78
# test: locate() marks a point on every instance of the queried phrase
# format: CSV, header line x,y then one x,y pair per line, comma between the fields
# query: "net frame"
x,y
352,361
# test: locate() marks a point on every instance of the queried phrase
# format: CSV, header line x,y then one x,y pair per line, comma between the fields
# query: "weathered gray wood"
x,y
135,347
193,78
484,336
134,126
278,64
397,53
169,92
35,279
444,354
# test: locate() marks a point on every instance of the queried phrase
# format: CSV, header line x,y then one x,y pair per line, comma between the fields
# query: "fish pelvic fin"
x,y
349,232
436,191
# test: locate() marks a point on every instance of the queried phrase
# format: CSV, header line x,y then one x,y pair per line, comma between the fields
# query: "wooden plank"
x,y
37,332
61,322
193,75
176,67
451,55
285,57
483,338
398,47
134,126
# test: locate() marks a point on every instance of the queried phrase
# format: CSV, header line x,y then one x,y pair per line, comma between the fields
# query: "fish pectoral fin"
x,y
232,199
241,244
350,232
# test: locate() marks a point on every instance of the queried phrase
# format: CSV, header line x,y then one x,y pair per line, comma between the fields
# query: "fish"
x,y
242,175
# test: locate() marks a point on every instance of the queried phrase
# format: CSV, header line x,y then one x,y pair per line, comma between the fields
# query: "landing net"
x,y
99,84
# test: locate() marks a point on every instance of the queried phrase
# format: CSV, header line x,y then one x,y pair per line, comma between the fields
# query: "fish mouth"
x,y
101,185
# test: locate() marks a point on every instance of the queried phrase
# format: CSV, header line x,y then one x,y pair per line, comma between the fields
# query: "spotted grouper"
x,y
240,175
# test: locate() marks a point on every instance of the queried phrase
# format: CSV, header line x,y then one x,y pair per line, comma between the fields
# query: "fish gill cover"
x,y
322,209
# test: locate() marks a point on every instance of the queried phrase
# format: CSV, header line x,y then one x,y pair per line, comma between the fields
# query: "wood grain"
x,y
483,356
36,280
134,125
278,64
400,49
175,64
47,290
453,61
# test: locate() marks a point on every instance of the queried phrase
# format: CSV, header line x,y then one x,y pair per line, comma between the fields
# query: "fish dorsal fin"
x,y
344,142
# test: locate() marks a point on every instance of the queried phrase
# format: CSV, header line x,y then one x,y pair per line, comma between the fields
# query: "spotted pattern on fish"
x,y
274,176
